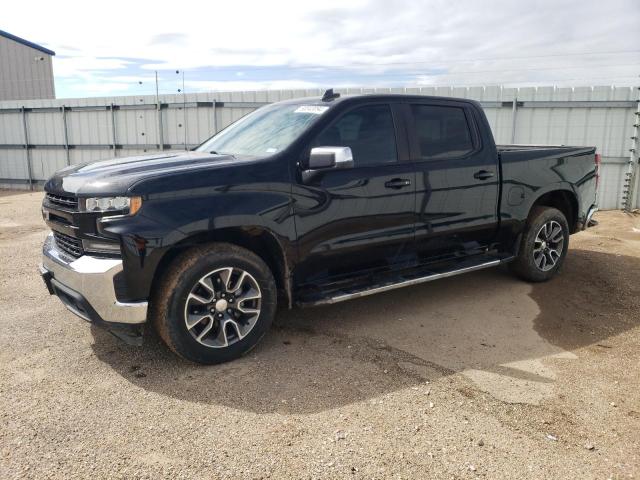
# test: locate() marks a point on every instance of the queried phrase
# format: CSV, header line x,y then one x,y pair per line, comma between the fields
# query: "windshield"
x,y
266,131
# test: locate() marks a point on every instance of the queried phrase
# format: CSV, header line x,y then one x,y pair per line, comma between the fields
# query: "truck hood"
x,y
116,176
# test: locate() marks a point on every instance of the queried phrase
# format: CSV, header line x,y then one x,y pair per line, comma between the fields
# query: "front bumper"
x,y
85,286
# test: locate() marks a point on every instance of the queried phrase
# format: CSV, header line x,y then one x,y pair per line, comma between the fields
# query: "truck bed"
x,y
547,154
528,171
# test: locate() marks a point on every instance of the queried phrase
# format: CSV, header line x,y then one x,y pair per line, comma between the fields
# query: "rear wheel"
x,y
544,245
215,303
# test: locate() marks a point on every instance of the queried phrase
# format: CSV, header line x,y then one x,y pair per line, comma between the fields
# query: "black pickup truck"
x,y
305,202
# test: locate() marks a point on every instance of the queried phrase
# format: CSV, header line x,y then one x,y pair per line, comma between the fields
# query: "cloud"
x,y
360,42
238,85
169,38
73,66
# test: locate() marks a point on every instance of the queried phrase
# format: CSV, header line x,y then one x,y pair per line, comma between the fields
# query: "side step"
x,y
399,282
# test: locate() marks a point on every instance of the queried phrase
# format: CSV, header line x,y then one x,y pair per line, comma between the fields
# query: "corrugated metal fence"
x,y
38,137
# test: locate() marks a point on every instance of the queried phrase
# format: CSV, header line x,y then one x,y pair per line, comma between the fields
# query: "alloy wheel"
x,y
548,245
222,307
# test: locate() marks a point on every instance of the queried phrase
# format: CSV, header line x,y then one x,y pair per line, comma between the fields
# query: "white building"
x,y
26,70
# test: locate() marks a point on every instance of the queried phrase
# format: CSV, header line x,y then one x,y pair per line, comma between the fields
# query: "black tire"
x,y
171,302
529,260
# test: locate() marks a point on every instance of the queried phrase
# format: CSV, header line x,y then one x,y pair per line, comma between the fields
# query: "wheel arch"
x,y
562,199
258,240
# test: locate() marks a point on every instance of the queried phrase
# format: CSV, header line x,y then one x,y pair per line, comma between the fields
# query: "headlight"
x,y
128,205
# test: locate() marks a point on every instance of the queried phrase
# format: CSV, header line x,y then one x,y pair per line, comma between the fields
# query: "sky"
x,y
115,48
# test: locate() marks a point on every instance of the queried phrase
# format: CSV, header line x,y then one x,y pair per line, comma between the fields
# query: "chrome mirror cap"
x,y
330,157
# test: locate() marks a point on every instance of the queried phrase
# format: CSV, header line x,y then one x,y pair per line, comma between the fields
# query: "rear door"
x,y
360,218
457,180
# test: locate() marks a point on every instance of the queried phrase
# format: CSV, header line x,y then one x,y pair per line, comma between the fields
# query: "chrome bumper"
x,y
92,279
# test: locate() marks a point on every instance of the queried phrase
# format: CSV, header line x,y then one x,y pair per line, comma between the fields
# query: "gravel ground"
x,y
479,375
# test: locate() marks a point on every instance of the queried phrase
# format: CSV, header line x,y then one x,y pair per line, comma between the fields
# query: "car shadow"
x,y
487,325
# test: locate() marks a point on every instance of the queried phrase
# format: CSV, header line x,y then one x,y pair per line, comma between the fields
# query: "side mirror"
x,y
322,158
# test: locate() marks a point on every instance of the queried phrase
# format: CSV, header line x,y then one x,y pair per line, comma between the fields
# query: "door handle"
x,y
398,183
483,174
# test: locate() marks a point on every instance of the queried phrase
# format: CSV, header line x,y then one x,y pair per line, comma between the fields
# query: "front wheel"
x,y
544,245
215,303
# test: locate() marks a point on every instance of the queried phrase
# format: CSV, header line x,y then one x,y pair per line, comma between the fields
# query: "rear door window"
x,y
442,132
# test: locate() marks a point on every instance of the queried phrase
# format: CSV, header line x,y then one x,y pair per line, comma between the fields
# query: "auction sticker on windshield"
x,y
315,109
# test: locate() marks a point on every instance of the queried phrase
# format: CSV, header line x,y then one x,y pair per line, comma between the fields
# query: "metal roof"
x,y
26,42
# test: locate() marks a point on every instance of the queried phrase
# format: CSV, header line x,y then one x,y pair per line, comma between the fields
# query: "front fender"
x,y
168,222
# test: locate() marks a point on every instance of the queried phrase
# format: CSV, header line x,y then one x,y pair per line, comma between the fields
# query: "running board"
x,y
349,295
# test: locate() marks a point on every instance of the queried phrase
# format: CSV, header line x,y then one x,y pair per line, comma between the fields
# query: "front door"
x,y
361,218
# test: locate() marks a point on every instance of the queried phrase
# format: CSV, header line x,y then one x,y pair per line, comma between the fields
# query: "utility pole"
x,y
514,115
159,114
184,111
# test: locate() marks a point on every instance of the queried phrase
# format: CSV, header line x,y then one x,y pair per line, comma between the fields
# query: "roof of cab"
x,y
371,97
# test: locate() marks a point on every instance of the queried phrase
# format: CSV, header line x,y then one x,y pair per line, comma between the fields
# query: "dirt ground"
x,y
480,375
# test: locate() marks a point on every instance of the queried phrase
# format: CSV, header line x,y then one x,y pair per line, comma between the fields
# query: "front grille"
x,y
65,201
71,245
